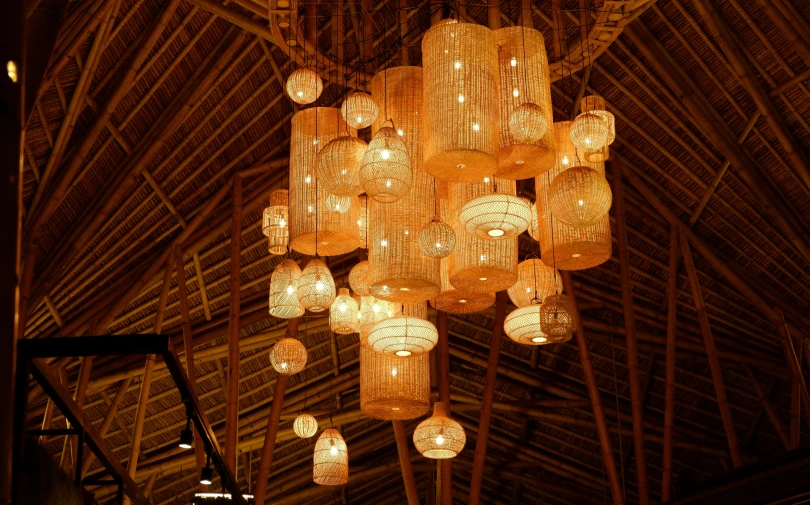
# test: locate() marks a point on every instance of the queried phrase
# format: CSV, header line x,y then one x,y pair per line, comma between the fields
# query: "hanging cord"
x,y
618,413
553,247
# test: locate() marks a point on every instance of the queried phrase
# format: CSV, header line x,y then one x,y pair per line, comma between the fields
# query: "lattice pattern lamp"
x,y
394,388
535,281
557,316
275,223
454,301
339,165
596,104
490,210
343,314
305,426
405,334
288,356
316,287
439,437
284,302
331,460
304,86
385,171
358,278
359,110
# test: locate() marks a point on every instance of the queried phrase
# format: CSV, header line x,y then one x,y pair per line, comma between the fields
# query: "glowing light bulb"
x,y
282,223
483,258
309,179
439,439
376,307
486,179
385,154
290,289
284,365
482,279
565,160
359,222
513,61
581,203
359,119
300,93
539,339
588,140
406,232
388,183
515,92
495,232
462,301
319,286
457,65
309,208
333,451
438,244
401,133
342,307
528,290
460,98
11,70
476,127
394,372
359,316
384,243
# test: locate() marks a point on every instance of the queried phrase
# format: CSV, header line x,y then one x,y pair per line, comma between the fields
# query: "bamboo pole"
x,y
494,22
669,401
800,398
405,462
49,408
486,405
112,409
231,414
79,396
768,407
711,351
445,483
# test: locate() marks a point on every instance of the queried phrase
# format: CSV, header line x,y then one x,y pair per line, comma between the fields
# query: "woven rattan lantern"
x,y
339,204
405,334
579,196
343,313
359,110
525,113
284,302
372,311
385,172
596,104
482,266
275,222
589,132
437,239
337,232
331,461
535,281
439,437
557,316
534,225
304,86
490,210
358,278
523,326
393,388
339,165
454,301
305,426
288,356
316,287
461,114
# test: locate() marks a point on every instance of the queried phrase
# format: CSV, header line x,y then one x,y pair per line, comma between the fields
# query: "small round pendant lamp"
x,y
523,326
338,204
359,110
316,287
437,239
589,132
358,278
339,165
331,460
288,356
394,388
385,170
454,301
304,86
439,437
405,334
305,426
343,318
579,196
596,104
284,302
557,316
535,281
527,123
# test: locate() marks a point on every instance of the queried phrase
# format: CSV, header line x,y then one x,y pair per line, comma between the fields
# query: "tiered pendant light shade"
x,y
288,356
358,278
337,232
534,225
579,196
535,281
331,460
439,437
491,211
461,116
305,426
596,104
372,311
525,115
385,171
339,204
405,334
437,239
359,110
304,86
275,222
284,290
589,132
343,313
557,316
454,301
339,165
394,388
316,287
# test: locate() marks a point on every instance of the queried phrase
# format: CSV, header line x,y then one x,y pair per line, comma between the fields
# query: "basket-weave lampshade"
x,y
339,165
284,302
579,196
523,326
589,132
304,86
454,301
491,211
534,225
339,204
288,356
331,461
275,222
596,104
439,437
393,388
316,287
437,239
372,311
535,281
461,116
359,110
557,316
525,113
385,171
338,233
405,334
343,314
305,426
358,278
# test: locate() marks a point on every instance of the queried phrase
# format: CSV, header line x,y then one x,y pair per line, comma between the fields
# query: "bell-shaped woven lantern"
x,y
343,313
359,110
339,204
491,211
385,171
460,63
288,356
339,165
534,225
596,104
405,334
454,301
525,113
557,316
535,281
394,388
275,222
304,86
439,437
305,426
284,302
437,239
589,132
316,287
579,196
358,278
331,460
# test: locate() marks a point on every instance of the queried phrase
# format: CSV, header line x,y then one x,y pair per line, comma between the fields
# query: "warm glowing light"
x,y
333,451
457,65
513,61
394,372
11,69
342,307
460,98
482,279
385,154
290,289
319,286
403,354
384,243
440,439
495,232
515,93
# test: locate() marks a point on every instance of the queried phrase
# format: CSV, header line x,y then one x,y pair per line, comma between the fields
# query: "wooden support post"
x,y
54,312
799,396
486,404
630,335
669,398
593,392
769,410
405,462
711,351
232,410
444,483
494,22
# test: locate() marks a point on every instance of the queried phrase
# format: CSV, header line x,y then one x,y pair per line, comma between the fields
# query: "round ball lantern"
x,y
523,326
405,334
288,356
385,171
358,278
339,165
528,123
535,281
359,110
439,437
305,426
579,196
304,86
394,388
284,281
316,287
589,132
437,239
372,311
557,316
343,313
455,301
331,460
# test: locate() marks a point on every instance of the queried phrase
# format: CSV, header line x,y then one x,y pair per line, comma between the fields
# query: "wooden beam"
x,y
405,462
768,407
112,410
801,398
445,491
669,382
232,410
201,284
54,311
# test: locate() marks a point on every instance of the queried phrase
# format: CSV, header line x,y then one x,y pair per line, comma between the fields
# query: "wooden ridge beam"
x,y
669,387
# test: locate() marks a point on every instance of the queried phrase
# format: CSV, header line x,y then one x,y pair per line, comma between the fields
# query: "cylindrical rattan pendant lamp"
x,y
460,63
331,460
454,301
394,388
275,222
284,302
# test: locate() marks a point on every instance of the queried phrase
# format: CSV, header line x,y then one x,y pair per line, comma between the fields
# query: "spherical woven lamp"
x,y
494,212
523,326
439,437
385,170
304,86
343,313
528,123
589,132
339,165
359,110
372,311
557,316
460,63
535,281
405,334
596,104
437,239
288,356
358,278
331,460
579,196
316,287
393,388
339,204
454,301
284,302
305,426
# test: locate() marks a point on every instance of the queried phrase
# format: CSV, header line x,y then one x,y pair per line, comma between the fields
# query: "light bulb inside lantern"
x,y
385,154
539,339
342,307
513,61
581,203
460,98
282,223
457,65
482,279
290,289
300,94
439,439
403,354
284,366
384,243
309,179
319,286
401,133
394,372
462,301
497,232
486,179
388,183
333,451
309,208
438,245
515,92
476,127
375,308
565,160
359,119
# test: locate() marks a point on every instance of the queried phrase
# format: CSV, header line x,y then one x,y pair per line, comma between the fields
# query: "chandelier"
x,y
439,437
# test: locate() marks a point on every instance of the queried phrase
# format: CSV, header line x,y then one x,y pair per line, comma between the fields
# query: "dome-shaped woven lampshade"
x,y
331,461
275,222
460,63
492,211
305,426
439,437
525,113
534,225
579,196
359,110
589,132
372,311
437,239
358,278
393,388
339,204
343,314
596,104
385,171
557,316
405,334
339,165
454,301
523,326
535,281
304,86
288,356
284,302
316,287
338,232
